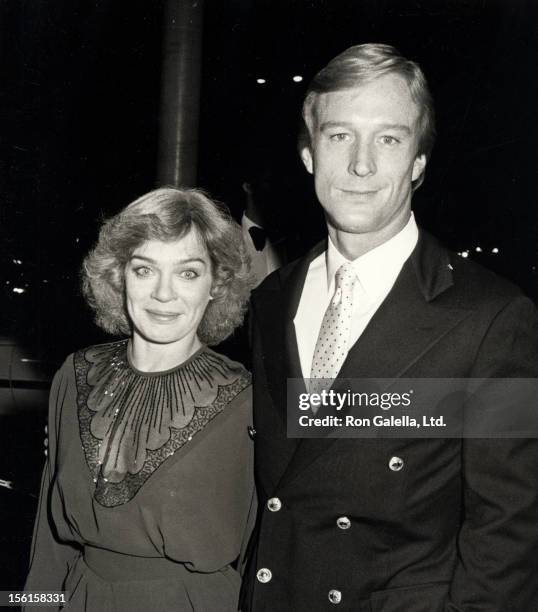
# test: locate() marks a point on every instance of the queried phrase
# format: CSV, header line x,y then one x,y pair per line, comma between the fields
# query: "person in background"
x,y
264,240
386,524
148,493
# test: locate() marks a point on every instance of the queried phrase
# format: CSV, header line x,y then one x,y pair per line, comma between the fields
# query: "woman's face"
x,y
167,288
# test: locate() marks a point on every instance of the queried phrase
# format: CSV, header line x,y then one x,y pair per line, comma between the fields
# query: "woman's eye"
x,y
142,271
189,274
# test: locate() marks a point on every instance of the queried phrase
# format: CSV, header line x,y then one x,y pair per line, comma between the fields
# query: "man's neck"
x,y
354,245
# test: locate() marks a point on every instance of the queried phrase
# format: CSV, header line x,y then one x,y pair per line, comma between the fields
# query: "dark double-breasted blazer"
x,y
397,525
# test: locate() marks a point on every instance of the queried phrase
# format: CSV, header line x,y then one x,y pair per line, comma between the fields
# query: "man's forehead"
x,y
384,99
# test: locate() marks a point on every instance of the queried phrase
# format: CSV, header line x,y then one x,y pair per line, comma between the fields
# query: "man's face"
x,y
363,155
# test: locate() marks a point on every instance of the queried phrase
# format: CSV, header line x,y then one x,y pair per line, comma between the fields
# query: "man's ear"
x,y
306,156
419,166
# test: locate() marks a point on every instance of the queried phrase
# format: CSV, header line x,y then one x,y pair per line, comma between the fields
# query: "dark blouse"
x,y
147,495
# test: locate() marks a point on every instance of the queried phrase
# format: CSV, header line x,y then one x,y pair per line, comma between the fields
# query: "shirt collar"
x,y
379,267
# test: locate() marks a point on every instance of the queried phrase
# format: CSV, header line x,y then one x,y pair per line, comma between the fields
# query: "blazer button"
x,y
274,504
335,596
343,522
264,575
396,464
251,432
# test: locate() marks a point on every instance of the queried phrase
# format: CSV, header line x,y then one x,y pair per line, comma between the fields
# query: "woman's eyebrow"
x,y
178,261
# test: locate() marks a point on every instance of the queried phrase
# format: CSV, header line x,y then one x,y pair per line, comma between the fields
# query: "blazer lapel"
x,y
406,325
408,322
275,306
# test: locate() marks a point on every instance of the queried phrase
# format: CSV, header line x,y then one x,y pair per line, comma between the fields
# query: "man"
x,y
391,525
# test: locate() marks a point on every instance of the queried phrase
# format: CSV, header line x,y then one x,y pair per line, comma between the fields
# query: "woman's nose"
x,y
164,289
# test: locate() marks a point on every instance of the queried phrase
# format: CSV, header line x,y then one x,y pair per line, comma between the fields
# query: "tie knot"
x,y
345,276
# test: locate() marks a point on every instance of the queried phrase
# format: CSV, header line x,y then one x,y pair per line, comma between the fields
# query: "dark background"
x,y
79,104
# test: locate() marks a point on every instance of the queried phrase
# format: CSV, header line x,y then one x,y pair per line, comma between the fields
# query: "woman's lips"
x,y
163,317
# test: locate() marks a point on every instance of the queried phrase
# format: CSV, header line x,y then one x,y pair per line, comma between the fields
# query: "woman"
x,y
148,488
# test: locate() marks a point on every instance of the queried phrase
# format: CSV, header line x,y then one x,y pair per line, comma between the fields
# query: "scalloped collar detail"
x,y
131,422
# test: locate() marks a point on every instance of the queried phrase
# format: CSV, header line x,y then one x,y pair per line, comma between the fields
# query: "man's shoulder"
x,y
473,285
278,279
274,280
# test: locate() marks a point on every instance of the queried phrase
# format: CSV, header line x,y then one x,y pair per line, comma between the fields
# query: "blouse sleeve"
x,y
50,559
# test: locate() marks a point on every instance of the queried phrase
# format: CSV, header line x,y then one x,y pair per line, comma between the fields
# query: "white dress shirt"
x,y
376,271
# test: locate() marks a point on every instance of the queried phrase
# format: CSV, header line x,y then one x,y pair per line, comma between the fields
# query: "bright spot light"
x,y
261,81
495,250
297,78
478,250
17,262
465,254
18,290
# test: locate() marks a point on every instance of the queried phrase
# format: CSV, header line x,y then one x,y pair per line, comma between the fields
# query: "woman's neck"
x,y
149,356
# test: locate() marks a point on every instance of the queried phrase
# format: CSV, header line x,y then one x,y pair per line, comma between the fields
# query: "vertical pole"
x,y
180,93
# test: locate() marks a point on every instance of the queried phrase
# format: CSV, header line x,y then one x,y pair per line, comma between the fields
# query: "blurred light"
x,y
17,262
495,250
18,290
297,78
464,254
261,81
45,280
77,240
478,250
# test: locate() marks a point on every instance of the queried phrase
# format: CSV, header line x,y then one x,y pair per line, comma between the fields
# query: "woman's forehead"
x,y
189,246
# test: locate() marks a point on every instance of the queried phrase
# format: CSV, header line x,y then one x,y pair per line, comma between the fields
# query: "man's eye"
x,y
389,140
340,137
189,274
142,271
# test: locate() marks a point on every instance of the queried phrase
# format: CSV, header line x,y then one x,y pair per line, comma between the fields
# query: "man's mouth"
x,y
359,193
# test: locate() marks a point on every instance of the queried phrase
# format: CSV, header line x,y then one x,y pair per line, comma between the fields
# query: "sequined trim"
x,y
130,424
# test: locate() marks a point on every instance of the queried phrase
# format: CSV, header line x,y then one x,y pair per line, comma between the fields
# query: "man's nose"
x,y
362,161
164,290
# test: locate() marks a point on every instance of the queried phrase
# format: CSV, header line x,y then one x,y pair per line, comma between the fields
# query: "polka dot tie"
x,y
332,344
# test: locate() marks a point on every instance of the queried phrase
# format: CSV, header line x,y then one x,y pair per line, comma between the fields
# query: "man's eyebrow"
x,y
382,126
178,261
333,124
395,126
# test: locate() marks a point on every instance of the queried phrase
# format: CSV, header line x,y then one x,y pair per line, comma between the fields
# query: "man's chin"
x,y
354,225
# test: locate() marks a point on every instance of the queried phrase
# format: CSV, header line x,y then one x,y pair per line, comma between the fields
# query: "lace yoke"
x,y
131,422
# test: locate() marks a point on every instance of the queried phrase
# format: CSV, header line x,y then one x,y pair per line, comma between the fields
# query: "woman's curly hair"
x,y
168,214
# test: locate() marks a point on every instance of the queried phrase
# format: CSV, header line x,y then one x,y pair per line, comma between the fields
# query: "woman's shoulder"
x,y
78,363
228,367
234,384
101,351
